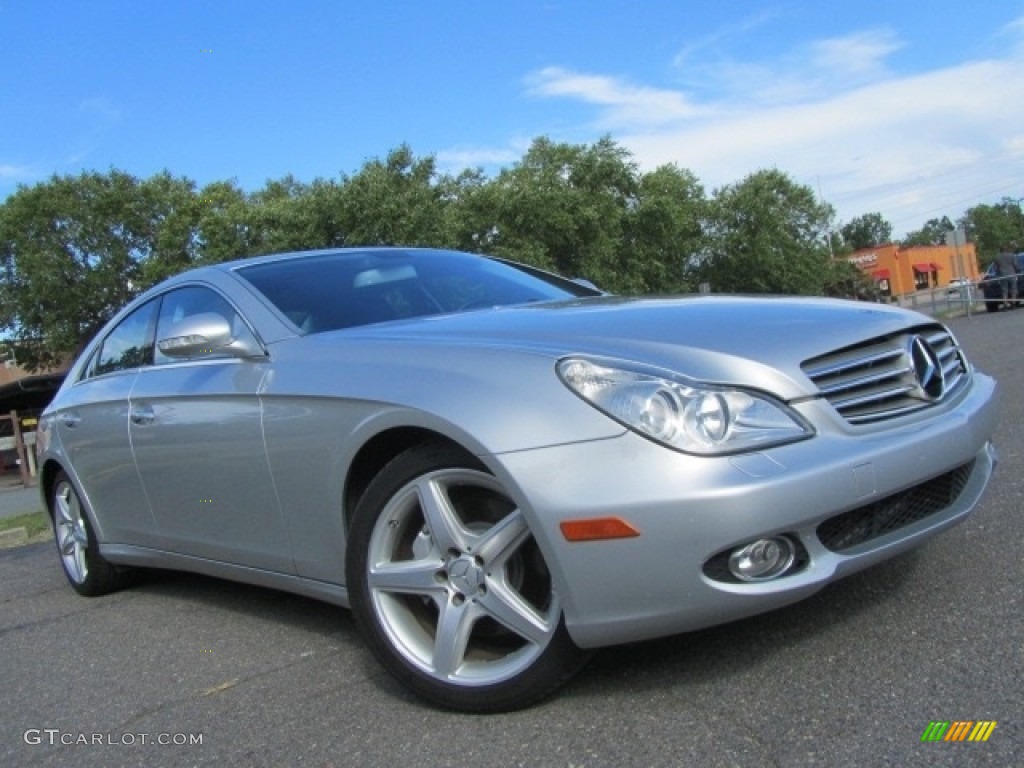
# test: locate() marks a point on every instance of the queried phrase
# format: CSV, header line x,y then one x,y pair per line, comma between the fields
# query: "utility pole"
x,y
1020,218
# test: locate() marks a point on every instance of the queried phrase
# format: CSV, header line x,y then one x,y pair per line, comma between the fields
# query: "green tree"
x,y
288,215
172,208
562,207
843,280
995,227
76,248
395,201
766,234
223,227
663,231
933,232
470,205
866,231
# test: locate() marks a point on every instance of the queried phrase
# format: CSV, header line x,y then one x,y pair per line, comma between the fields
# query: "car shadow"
x,y
304,613
694,658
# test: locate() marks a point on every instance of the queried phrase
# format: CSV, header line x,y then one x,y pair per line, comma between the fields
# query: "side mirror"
x,y
205,334
586,284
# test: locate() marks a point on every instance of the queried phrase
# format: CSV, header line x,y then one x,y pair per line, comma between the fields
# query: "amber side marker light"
x,y
597,529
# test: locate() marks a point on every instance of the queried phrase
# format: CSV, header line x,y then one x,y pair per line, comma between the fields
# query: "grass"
x,y
34,522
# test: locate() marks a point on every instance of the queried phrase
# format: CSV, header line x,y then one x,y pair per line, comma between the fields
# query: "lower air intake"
x,y
857,526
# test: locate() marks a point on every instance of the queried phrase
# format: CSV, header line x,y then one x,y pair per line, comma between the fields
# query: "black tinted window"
x,y
341,290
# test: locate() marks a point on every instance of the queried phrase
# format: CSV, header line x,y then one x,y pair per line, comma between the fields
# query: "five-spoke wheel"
x,y
69,528
450,587
87,571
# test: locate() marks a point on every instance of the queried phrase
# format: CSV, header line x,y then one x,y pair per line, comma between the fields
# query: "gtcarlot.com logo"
x,y
56,737
958,730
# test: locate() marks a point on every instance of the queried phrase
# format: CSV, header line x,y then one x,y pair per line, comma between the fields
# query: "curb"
x,y
13,537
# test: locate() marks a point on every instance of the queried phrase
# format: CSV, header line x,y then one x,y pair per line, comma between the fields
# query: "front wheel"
x,y
450,588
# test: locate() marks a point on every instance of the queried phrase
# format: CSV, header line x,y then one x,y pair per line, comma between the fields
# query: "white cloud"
x,y
724,38
830,113
622,103
710,66
859,54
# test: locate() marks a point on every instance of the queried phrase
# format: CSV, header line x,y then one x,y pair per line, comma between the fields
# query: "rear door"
x,y
92,425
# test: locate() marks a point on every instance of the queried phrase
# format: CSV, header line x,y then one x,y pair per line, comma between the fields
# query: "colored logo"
x,y
958,730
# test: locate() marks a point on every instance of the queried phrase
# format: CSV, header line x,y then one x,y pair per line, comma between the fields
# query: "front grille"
x,y
881,379
863,524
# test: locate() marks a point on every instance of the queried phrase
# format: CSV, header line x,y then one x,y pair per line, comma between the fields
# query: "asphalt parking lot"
x,y
235,675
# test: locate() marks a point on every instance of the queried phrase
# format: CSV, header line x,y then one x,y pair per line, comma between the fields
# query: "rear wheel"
x,y
450,588
87,571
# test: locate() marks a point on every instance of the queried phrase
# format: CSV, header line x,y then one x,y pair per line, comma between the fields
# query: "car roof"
x,y
353,251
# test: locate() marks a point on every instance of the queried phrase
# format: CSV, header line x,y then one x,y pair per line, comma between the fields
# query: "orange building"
x,y
898,271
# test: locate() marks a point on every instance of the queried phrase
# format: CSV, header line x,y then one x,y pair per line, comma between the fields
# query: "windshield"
x,y
349,288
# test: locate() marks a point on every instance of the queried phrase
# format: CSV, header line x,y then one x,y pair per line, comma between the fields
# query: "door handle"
x,y
142,414
69,420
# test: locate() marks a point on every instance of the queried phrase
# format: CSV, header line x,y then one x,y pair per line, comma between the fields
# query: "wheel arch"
x,y
47,477
48,474
380,449
398,432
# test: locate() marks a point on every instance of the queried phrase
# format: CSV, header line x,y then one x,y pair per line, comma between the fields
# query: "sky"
x,y
914,110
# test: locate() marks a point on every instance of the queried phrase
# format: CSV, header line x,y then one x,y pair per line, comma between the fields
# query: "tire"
x,y
87,571
450,589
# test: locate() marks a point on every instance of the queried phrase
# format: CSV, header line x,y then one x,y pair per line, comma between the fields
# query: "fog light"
x,y
762,559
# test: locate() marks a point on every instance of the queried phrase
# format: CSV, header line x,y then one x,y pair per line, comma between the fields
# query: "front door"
x,y
197,436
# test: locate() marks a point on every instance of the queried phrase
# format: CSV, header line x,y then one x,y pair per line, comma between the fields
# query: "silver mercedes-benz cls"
x,y
498,469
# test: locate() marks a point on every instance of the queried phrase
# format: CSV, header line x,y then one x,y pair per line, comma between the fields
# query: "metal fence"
x,y
958,300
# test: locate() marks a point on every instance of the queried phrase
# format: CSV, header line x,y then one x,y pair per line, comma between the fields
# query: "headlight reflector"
x,y
686,415
711,417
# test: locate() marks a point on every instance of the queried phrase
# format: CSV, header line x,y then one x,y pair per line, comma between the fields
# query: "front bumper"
x,y
690,508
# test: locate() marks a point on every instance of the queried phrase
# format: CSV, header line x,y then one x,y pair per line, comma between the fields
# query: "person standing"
x,y
1006,268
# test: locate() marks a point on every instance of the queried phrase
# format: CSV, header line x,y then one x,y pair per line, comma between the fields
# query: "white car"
x,y
958,286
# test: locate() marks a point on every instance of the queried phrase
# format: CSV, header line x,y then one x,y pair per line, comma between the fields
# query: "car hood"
x,y
754,342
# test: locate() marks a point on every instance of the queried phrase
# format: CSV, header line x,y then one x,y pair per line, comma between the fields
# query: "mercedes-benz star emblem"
x,y
931,380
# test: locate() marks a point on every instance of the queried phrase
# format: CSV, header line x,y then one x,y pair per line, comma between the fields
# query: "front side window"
x,y
129,345
193,300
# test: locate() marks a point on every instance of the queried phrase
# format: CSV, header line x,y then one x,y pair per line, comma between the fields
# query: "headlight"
x,y
686,415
